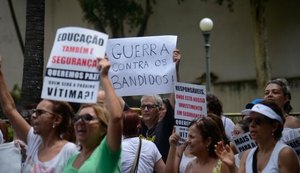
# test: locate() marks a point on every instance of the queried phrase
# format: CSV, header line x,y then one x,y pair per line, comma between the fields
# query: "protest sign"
x,y
71,73
190,103
292,138
243,142
295,144
142,65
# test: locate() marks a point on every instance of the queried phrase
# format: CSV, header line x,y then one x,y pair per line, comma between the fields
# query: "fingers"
x,y
177,51
176,56
103,65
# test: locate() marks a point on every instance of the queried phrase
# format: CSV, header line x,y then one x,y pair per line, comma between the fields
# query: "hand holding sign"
x,y
103,66
176,56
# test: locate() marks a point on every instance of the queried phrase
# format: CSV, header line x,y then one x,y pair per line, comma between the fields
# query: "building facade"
x,y
232,42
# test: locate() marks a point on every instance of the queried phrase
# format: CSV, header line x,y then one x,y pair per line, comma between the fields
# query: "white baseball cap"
x,y
264,110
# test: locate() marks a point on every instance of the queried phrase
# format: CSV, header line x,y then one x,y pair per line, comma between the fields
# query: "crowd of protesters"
x,y
110,137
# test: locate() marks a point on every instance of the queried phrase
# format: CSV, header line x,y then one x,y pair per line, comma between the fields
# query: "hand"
x,y
176,56
225,154
103,66
181,148
174,138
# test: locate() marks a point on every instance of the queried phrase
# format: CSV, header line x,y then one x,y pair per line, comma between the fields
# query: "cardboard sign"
x,y
71,73
142,65
190,103
243,142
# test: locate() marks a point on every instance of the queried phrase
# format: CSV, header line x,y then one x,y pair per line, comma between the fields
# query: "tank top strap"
x,y
217,168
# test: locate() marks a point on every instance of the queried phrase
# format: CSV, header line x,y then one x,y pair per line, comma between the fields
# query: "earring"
x,y
53,126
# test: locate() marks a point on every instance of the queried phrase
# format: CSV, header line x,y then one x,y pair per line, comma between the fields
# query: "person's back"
x,y
148,158
134,148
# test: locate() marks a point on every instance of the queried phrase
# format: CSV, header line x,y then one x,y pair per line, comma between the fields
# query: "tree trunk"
x,y
263,74
34,53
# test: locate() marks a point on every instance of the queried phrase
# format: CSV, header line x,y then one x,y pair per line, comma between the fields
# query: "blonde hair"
x,y
102,115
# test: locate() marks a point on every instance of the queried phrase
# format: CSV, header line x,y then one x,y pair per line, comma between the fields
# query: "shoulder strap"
x,y
136,159
254,161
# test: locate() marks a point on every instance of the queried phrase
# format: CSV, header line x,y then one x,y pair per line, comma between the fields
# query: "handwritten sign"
x,y
71,73
243,142
142,65
190,103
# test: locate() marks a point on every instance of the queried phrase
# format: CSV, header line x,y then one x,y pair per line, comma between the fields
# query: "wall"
x,y
232,42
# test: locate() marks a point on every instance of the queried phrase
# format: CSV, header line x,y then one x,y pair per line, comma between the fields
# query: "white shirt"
x,y
55,165
185,160
149,155
228,125
272,165
1,138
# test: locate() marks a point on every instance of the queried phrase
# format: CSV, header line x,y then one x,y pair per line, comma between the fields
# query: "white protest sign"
x,y
71,73
190,103
295,144
292,138
243,142
142,65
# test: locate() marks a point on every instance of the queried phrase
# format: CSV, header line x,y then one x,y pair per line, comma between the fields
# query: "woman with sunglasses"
x,y
270,155
47,150
98,129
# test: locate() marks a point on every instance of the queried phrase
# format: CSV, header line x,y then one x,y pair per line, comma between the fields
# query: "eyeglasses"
x,y
149,107
39,112
85,117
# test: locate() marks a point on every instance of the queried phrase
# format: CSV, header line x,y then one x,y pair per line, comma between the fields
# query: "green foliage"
x,y
10,133
16,93
220,2
115,14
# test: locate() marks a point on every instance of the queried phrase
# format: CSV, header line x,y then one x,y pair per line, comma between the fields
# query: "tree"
x,y
118,16
258,13
34,53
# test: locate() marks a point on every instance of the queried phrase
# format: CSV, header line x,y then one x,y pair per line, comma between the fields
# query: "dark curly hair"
x,y
214,105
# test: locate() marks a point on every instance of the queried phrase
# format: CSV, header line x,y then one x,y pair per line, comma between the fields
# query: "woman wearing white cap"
x,y
270,155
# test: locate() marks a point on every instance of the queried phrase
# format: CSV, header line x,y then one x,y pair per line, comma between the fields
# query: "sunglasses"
x,y
39,112
85,117
149,107
257,121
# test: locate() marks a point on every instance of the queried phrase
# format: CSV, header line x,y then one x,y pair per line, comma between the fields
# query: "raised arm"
x,y
112,102
176,60
175,154
20,126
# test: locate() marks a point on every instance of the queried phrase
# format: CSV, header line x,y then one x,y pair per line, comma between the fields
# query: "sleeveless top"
x,y
272,165
185,160
217,168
